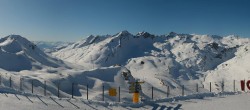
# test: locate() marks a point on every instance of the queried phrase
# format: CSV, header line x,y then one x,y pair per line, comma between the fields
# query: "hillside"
x,y
176,62
17,53
165,60
49,47
237,69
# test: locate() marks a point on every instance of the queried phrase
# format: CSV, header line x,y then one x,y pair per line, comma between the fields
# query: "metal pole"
x,y
103,93
0,79
58,92
44,88
197,87
32,86
182,90
168,91
72,92
152,92
210,87
20,84
222,85
87,91
10,83
234,85
119,94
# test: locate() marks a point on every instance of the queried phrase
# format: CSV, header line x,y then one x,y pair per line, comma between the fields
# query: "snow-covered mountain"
x,y
49,47
235,69
17,53
163,61
159,60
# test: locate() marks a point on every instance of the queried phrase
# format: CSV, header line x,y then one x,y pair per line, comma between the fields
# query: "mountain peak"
x,y
145,34
90,36
172,34
124,33
16,37
18,53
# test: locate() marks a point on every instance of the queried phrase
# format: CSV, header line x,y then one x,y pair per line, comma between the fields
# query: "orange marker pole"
x,y
136,97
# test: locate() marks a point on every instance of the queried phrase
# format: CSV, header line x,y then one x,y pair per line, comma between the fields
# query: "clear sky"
x,y
71,20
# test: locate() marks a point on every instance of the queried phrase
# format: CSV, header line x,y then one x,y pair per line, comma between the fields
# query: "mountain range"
x,y
161,61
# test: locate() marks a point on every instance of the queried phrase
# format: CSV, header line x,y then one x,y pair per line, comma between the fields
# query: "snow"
x,y
17,53
226,101
168,60
236,69
220,102
173,60
49,46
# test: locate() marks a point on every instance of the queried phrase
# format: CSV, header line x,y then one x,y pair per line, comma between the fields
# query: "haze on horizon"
x,y
67,20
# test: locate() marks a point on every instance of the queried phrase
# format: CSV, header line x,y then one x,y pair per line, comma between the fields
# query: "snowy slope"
x,y
17,53
12,101
164,61
49,47
65,77
167,60
237,69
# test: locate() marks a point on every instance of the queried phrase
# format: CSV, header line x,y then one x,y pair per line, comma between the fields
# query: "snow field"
x,y
167,63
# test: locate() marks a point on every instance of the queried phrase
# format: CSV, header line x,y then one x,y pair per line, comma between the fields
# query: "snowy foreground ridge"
x,y
174,67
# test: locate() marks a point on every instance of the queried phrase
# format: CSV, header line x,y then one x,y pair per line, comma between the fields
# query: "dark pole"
x,y
103,93
20,84
0,79
152,92
119,94
44,88
222,85
168,92
234,85
210,87
182,90
32,86
197,87
58,91
10,83
87,91
72,92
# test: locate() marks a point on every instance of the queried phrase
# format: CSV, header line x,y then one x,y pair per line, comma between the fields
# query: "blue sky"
x,y
71,20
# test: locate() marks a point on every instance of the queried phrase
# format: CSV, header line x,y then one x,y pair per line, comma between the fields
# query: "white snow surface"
x,y
167,60
50,46
17,53
226,101
237,69
172,60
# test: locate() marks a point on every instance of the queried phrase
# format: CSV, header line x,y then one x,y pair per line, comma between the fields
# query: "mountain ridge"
x,y
18,54
161,59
